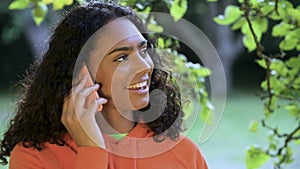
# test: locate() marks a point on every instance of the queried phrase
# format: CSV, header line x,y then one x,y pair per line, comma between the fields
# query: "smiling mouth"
x,y
138,86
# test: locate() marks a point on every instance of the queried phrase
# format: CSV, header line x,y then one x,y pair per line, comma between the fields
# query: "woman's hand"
x,y
80,121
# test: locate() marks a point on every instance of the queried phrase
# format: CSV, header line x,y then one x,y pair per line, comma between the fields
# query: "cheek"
x,y
113,81
151,64
150,61
105,73
103,76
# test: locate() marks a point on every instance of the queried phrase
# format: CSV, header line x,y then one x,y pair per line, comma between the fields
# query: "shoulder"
x,y
186,145
19,149
189,153
22,157
50,156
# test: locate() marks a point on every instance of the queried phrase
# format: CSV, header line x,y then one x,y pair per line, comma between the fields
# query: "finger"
x,y
81,84
83,94
66,102
92,109
101,101
68,109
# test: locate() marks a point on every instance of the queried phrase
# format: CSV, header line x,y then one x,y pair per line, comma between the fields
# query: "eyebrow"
x,y
142,43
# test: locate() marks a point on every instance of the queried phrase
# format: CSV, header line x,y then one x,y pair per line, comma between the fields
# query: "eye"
x,y
121,58
143,52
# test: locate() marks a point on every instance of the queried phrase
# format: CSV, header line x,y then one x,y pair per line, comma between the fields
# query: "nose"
x,y
142,65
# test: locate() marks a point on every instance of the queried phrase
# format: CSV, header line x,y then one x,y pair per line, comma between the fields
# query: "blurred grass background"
x,y
225,149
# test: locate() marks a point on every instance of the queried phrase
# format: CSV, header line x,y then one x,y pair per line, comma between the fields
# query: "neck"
x,y
117,122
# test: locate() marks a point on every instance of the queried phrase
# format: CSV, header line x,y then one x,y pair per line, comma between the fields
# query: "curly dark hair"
x,y
38,115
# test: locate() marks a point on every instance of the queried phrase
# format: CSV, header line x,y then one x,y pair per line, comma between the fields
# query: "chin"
x,y
138,102
140,105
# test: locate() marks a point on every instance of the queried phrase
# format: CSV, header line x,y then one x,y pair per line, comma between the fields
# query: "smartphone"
x,y
94,95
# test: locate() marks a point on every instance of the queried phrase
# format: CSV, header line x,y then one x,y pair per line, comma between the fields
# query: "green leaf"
x,y
288,45
206,113
277,86
255,157
153,26
283,7
259,27
198,70
127,2
263,85
275,16
19,4
297,134
261,63
297,83
294,13
39,12
203,72
267,8
298,47
161,43
144,13
289,154
278,66
249,43
291,40
178,9
293,62
293,109
254,3
253,126
58,4
274,102
239,23
289,151
231,14
281,29
294,34
261,24
267,112
69,2
212,0
47,1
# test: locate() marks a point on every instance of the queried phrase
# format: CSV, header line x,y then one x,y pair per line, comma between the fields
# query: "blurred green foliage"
x,y
39,8
281,86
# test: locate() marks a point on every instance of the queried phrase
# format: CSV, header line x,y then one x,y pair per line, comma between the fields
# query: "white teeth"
x,y
138,85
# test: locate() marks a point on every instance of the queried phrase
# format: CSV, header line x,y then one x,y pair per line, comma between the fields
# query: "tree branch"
x,y
246,8
288,138
276,7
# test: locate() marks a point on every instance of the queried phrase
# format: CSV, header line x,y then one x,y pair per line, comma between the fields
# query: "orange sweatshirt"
x,y
137,150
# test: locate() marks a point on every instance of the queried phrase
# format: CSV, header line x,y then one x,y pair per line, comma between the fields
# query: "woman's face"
x,y
124,67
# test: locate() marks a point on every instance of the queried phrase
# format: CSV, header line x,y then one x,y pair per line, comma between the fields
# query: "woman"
x,y
56,127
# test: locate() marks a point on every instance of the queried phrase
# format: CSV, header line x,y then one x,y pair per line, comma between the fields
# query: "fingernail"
x,y
101,100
